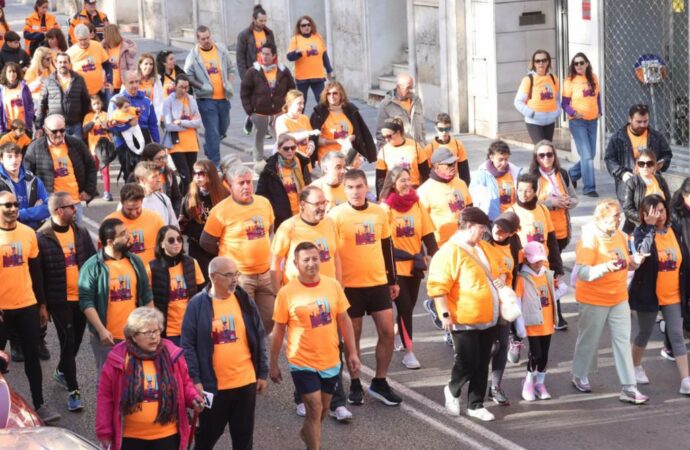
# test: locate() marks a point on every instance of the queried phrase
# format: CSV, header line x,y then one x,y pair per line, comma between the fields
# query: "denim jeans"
x,y
316,85
584,134
215,115
75,130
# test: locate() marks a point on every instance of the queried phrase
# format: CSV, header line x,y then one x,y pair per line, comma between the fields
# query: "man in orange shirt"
x,y
312,309
90,60
333,168
224,344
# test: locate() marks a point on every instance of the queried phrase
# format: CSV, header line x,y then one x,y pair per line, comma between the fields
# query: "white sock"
x,y
540,377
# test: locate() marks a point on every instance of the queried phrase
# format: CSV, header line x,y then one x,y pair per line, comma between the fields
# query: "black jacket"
x,y
619,156
258,97
642,290
363,143
73,104
16,55
53,259
246,48
635,191
39,161
271,186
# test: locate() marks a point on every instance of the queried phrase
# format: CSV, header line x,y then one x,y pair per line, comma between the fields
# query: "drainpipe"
x,y
166,28
141,18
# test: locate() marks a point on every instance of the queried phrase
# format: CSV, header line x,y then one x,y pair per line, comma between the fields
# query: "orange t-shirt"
x,y
189,141
18,245
13,104
408,229
455,146
298,125
147,87
295,230
335,195
23,141
99,130
359,244
143,231
3,31
583,96
638,142
535,225
504,252
408,155
670,260
122,295
114,59
310,64
544,92
89,64
542,285
292,189
169,84
271,76
65,180
559,216
72,270
212,64
232,359
612,288
444,202
31,76
336,126
179,298
311,313
654,188
260,39
243,232
506,191
141,424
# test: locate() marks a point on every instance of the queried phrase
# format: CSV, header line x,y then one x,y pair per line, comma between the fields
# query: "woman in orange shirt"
x,y
308,51
150,83
400,151
646,181
56,43
15,98
411,227
296,124
166,63
38,72
661,283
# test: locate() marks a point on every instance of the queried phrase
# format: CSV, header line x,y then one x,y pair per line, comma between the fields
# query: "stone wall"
x,y
427,54
349,46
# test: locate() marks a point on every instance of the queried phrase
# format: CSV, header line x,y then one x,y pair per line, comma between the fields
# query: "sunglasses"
x,y
579,63
72,207
303,25
541,61
443,129
642,164
201,173
56,131
387,137
545,155
9,205
333,93
173,240
289,148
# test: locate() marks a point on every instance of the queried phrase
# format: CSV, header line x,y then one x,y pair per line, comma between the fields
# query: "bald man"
x,y
224,344
404,103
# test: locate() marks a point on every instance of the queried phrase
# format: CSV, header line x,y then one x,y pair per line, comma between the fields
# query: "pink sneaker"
x,y
528,389
541,392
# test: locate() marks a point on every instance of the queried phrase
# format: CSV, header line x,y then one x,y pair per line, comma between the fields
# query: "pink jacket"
x,y
109,419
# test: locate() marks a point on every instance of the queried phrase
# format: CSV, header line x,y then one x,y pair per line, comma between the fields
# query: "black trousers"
x,y
538,353
233,407
70,324
184,163
405,303
168,443
472,354
26,324
202,257
540,132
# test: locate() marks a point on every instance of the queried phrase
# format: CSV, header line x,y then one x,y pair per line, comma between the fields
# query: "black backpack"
x,y
531,84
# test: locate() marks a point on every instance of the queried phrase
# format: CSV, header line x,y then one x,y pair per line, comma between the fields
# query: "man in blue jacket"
x,y
224,345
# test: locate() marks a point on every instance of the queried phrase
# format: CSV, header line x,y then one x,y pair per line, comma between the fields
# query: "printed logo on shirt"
x,y
150,389
62,169
618,257
457,202
89,65
290,186
12,256
404,226
536,233
255,228
543,296
320,313
364,234
121,289
508,262
16,103
546,92
505,191
312,50
224,330
178,289
169,89
341,132
589,92
668,260
212,68
324,252
70,256
404,162
137,241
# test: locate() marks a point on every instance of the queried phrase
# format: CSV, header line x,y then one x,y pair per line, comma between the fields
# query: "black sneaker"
x,y
562,325
356,396
574,183
17,354
248,125
43,352
430,307
381,391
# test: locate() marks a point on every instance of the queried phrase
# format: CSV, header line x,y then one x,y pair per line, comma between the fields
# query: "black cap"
x,y
508,222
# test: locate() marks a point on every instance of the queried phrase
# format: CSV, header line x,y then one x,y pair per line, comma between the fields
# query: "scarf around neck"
x,y
295,171
494,171
401,203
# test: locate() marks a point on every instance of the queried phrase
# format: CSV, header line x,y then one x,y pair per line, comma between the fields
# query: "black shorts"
x,y
368,300
307,382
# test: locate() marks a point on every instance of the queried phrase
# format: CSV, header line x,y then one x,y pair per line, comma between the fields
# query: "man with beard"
x,y
404,103
21,296
64,248
333,166
625,145
112,284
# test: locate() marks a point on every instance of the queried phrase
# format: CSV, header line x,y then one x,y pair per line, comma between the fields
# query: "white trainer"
x,y
482,414
452,403
685,386
301,410
641,375
410,361
341,414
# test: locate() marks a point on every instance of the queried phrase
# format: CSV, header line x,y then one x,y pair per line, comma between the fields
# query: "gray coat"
x,y
172,110
390,108
73,104
195,69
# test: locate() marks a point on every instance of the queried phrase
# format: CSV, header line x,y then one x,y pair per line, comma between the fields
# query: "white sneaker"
x,y
452,403
301,410
482,414
640,375
410,361
341,414
685,386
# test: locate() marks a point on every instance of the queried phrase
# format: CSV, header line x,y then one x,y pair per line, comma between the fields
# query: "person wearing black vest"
x,y
175,278
64,248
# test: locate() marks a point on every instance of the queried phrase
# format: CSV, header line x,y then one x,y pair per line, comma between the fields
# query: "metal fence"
x,y
636,27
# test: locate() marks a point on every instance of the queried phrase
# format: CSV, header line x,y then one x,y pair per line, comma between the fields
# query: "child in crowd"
x,y
535,287
96,128
443,139
148,175
123,114
17,135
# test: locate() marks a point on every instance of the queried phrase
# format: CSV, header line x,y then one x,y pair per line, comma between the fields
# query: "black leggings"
x,y
70,323
168,443
184,163
405,303
540,132
538,353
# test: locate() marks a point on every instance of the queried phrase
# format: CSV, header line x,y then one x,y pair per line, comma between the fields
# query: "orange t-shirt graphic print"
x,y
255,228
365,233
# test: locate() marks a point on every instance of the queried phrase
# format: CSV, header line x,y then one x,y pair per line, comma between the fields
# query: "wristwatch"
x,y
445,315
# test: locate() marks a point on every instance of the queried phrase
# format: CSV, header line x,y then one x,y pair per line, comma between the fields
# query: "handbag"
x,y
509,307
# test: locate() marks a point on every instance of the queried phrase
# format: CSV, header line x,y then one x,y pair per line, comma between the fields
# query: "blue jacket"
x,y
198,346
147,119
484,189
28,190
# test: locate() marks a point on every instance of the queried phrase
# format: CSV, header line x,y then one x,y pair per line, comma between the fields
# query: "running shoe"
x,y
581,384
107,196
666,353
630,394
528,389
356,396
48,414
430,307
43,352
60,379
341,414
410,361
16,353
300,410
498,396
74,401
248,125
685,386
381,391
452,403
482,414
514,350
562,325
641,375
448,339
541,393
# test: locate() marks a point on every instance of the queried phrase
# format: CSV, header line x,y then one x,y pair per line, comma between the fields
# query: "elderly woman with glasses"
x,y
646,181
145,389
285,175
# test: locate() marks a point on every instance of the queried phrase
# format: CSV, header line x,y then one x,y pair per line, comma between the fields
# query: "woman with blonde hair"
x,y
38,72
295,123
150,82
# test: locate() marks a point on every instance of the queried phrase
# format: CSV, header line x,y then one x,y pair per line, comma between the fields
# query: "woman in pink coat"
x,y
145,389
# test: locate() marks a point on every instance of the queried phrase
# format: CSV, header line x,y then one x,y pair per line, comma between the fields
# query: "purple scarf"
x,y
493,170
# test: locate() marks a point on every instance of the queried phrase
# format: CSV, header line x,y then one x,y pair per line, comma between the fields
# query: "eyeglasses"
x,y
56,131
579,63
545,155
323,203
642,164
303,25
333,93
201,173
229,274
9,205
150,333
73,206
443,129
173,240
387,137
541,61
289,148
